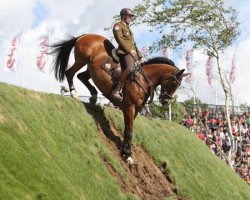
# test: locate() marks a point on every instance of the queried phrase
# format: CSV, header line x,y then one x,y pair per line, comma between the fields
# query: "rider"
x,y
127,50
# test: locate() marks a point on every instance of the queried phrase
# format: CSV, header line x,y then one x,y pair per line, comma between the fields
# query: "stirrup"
x,y
117,96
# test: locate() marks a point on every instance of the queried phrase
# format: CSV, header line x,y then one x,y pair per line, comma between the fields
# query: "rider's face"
x,y
128,19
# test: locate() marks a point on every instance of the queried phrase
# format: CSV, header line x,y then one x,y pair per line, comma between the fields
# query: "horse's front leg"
x,y
129,115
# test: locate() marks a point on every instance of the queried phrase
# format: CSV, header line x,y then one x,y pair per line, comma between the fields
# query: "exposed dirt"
x,y
2,119
145,179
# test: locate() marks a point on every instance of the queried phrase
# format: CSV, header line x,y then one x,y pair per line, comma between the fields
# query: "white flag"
x,y
13,53
42,57
189,63
232,70
167,53
209,70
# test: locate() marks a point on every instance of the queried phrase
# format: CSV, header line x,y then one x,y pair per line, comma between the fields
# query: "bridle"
x,y
172,78
164,94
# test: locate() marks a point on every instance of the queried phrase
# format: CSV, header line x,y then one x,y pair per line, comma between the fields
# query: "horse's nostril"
x,y
166,101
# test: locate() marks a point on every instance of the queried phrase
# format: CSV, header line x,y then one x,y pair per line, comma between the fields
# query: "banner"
x,y
164,52
167,53
232,70
188,58
42,57
13,53
144,51
209,70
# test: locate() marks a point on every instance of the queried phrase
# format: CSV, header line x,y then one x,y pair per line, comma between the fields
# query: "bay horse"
x,y
96,51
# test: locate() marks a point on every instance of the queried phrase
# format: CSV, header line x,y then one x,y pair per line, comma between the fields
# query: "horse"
x,y
95,51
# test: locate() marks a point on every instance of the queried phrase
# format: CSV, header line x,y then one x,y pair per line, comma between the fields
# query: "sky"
x,y
34,18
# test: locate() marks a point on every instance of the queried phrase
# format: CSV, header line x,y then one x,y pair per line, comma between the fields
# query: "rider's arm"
x,y
123,38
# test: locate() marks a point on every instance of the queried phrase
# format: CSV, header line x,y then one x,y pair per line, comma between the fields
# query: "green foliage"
x,y
197,173
178,110
190,106
244,107
161,111
158,111
206,24
50,149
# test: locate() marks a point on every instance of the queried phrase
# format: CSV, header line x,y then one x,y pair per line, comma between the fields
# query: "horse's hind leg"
x,y
84,78
70,73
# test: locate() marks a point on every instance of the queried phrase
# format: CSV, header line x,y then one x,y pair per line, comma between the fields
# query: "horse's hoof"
x,y
130,161
74,95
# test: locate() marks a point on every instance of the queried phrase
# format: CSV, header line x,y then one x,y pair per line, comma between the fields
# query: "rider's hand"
x,y
134,54
140,56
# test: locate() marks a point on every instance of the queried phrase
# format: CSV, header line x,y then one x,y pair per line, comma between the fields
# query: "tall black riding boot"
x,y
116,93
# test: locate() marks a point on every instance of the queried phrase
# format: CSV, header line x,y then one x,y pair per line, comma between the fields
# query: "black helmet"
x,y
126,11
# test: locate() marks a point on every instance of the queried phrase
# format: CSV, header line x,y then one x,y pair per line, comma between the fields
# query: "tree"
x,y
244,107
190,106
205,24
160,111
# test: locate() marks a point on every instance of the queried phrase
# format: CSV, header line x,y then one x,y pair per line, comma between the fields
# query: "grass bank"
x,y
50,149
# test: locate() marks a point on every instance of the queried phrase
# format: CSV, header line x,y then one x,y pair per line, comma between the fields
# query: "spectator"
x,y
211,127
248,120
148,110
189,121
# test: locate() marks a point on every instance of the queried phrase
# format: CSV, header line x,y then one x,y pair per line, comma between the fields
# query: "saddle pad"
x,y
111,68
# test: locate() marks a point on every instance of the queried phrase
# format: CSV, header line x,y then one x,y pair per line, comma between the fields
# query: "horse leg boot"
x,y
126,147
116,93
69,74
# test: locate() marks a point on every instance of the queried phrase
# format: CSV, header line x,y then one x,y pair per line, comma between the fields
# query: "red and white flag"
x,y
209,70
42,57
13,53
189,64
232,70
144,51
167,53
164,52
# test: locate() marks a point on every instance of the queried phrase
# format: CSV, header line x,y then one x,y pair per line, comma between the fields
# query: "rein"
x,y
173,76
138,69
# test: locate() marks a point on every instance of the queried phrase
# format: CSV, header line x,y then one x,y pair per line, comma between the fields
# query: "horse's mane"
x,y
159,60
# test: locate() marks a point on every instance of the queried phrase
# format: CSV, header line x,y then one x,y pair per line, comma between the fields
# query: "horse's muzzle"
x,y
165,101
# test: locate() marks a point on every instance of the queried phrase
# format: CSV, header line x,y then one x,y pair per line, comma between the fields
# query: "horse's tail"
x,y
62,52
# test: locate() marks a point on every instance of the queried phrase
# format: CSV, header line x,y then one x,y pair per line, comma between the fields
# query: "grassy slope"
x,y
198,174
49,149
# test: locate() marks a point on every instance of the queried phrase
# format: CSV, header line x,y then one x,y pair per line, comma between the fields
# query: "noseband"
x,y
172,78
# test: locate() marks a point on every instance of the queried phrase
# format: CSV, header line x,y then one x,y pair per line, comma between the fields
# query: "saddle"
x,y
112,66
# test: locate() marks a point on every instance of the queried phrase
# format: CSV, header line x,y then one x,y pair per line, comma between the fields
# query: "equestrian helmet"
x,y
126,11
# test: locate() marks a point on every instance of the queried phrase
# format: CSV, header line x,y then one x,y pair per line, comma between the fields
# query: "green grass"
x,y
197,173
50,149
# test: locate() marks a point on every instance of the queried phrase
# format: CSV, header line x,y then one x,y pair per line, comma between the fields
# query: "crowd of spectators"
x,y
211,127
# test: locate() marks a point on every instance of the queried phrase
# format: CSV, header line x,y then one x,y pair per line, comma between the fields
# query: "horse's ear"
x,y
179,74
